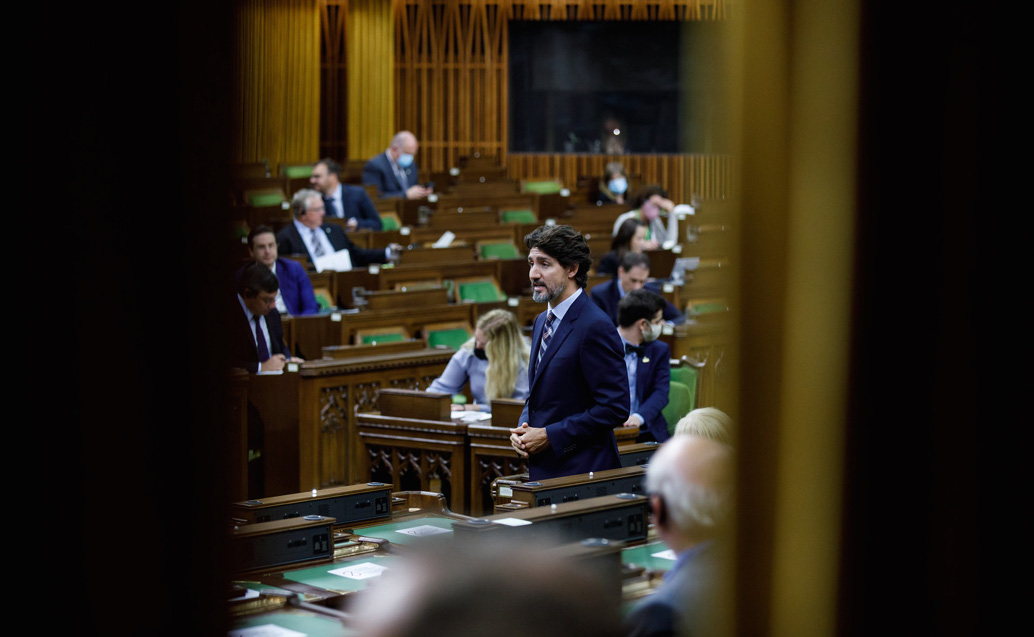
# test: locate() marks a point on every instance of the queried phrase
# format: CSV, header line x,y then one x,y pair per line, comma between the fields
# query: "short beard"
x,y
544,297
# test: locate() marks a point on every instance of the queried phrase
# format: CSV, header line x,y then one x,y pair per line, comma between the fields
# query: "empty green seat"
x,y
453,338
681,400
389,223
480,292
297,172
542,187
383,338
502,250
261,199
519,216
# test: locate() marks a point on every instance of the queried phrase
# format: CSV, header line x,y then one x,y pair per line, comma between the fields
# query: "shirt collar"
x,y
561,309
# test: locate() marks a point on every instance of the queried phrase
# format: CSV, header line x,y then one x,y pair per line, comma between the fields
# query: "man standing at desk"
x,y
344,200
394,171
577,380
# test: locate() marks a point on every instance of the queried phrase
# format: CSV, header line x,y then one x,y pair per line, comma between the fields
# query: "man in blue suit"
x,y
394,171
296,296
344,201
647,361
307,234
577,380
633,274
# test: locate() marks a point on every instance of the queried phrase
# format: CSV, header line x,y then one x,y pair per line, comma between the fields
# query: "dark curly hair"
x,y
566,245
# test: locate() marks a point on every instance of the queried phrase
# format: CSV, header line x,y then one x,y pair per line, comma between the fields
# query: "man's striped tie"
x,y
546,333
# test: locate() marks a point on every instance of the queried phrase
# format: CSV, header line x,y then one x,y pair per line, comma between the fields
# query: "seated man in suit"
x,y
295,296
578,388
394,171
344,201
633,272
689,481
307,234
647,361
257,338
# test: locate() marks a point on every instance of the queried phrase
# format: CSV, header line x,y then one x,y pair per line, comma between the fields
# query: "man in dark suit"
x,y
296,296
689,481
633,274
577,380
344,201
307,234
647,361
394,171
257,338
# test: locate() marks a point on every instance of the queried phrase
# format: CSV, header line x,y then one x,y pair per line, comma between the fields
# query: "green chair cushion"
x,y
542,187
681,400
706,308
382,338
389,223
499,251
453,338
519,216
295,172
265,199
479,292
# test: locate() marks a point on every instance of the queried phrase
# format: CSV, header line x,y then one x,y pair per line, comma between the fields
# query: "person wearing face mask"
x,y
394,172
494,361
647,361
613,187
652,206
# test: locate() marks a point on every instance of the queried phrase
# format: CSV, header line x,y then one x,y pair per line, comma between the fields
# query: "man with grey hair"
x,y
307,234
689,481
394,172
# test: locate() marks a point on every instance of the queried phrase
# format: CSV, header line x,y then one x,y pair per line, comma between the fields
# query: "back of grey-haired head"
x,y
693,475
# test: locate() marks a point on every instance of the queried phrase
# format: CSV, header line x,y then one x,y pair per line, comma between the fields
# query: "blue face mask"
x,y
405,160
618,186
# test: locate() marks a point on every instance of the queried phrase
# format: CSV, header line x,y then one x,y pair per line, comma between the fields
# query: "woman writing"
x,y
495,362
630,237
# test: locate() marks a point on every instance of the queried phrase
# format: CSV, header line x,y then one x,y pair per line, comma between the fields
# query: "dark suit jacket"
x,y
606,297
579,393
295,287
687,603
288,241
243,351
378,172
357,204
652,382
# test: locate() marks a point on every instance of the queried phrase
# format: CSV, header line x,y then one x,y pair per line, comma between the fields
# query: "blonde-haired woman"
x,y
494,361
708,422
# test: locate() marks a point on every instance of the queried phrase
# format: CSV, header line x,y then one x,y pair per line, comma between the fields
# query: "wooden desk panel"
x,y
310,415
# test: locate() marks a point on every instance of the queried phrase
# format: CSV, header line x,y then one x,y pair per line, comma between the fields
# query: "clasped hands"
x,y
528,440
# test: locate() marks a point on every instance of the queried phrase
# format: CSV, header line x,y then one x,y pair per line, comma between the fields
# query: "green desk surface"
x,y
343,576
409,531
645,556
288,623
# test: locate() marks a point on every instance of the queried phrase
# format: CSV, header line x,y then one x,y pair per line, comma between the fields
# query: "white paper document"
x,y
423,530
341,261
364,570
266,630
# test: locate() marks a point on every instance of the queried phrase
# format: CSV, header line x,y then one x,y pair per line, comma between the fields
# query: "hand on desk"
x,y
633,421
418,192
351,225
275,363
528,440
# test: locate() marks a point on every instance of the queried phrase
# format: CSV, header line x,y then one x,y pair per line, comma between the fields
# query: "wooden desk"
x,y
310,415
